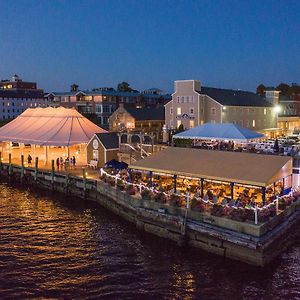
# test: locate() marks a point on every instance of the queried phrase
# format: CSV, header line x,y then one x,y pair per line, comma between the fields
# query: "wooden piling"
x,y
52,174
22,168
84,182
36,168
9,165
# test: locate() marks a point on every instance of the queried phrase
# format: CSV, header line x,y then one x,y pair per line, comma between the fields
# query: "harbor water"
x,y
52,246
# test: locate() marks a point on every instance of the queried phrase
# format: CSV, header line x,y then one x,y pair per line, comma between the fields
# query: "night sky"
x,y
230,44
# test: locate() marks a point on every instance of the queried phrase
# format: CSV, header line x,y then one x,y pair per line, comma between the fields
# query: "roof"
x,y
109,140
49,126
244,168
220,131
143,114
109,92
235,97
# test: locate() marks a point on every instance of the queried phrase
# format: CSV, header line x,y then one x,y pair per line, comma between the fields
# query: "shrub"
x,y
281,204
272,210
197,205
264,215
147,194
238,214
160,198
217,210
175,200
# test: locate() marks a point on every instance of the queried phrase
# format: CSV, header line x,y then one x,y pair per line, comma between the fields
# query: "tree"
x,y
74,87
283,88
124,87
294,89
260,90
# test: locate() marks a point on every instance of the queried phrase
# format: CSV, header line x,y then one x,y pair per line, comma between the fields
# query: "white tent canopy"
x,y
49,127
221,132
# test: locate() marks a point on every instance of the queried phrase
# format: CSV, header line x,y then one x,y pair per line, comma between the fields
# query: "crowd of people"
x,y
60,162
68,162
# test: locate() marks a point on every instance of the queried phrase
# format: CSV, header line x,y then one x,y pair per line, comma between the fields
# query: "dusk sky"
x,y
230,44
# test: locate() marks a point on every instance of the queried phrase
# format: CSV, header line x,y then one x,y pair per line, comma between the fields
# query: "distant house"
x,y
146,120
102,148
104,101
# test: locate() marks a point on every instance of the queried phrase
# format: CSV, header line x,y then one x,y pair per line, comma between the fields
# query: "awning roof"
x,y
244,168
217,131
49,126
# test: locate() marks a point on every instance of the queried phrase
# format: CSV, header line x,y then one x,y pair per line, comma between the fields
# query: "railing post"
x,y
84,181
52,173
9,164
36,168
255,216
175,183
202,188
263,191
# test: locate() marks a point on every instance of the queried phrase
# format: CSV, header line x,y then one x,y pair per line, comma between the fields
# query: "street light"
x,y
277,109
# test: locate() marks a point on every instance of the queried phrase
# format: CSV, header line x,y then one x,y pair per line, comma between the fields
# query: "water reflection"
x,y
57,247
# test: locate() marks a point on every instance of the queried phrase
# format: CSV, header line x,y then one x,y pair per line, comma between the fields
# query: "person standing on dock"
x,y
57,163
74,161
29,159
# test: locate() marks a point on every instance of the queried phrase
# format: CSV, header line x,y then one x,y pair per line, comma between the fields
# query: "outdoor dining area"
x,y
226,178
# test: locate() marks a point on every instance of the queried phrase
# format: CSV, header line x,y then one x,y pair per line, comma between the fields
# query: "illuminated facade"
x,y
193,105
17,95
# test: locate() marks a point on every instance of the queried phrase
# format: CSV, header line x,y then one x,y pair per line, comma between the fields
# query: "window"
x,y
213,110
182,99
241,122
253,123
265,111
192,99
234,121
258,123
192,110
247,123
178,99
192,123
187,99
178,110
171,111
178,123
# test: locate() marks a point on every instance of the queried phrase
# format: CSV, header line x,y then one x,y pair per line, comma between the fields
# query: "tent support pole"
x,y
68,154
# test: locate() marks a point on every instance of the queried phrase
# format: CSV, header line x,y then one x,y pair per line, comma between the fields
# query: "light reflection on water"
x,y
55,247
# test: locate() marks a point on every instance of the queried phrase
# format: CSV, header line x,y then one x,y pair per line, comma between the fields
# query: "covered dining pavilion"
x,y
47,134
216,175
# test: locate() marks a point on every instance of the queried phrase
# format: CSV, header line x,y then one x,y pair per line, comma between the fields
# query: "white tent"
x,y
49,127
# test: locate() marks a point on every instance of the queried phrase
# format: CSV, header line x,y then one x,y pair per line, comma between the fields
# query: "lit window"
x,y
178,123
265,111
253,123
192,123
178,110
